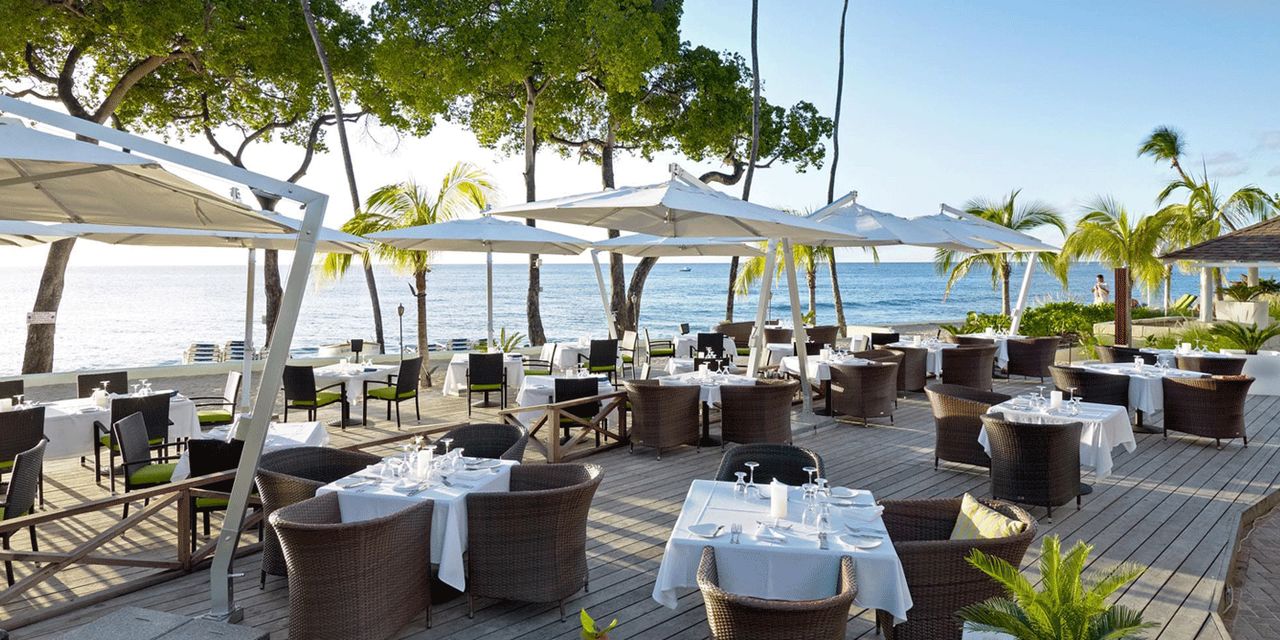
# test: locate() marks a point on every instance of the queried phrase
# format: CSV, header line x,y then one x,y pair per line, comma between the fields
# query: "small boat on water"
x,y
684,269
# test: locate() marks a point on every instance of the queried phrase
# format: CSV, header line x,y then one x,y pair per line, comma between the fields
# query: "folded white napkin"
x,y
864,514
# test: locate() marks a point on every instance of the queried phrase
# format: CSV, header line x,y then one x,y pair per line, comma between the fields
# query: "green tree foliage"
x,y
1106,232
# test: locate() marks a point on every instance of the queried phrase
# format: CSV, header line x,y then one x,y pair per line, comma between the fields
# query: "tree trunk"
x,y
1124,292
533,305
630,317
420,281
835,293
755,139
617,276
1005,270
837,299
733,277
811,274
1168,284
273,289
38,357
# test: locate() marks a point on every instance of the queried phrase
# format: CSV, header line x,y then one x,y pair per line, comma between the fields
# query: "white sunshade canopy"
x,y
484,234
329,240
51,178
643,245
17,233
879,228
970,228
682,207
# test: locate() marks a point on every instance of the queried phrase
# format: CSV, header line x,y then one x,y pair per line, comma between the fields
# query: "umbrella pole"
x,y
488,263
762,308
1022,295
246,374
604,297
797,328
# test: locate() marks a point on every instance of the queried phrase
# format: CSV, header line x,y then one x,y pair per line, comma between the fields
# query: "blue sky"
x,y
944,101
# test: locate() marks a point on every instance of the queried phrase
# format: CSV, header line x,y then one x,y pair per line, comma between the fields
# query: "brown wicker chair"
x,y
1207,407
913,370
361,580
757,413
1213,366
736,617
957,419
740,332
777,335
1113,353
1036,464
972,341
487,440
940,580
864,391
1092,386
530,544
783,462
1031,357
878,338
20,496
889,355
823,334
289,476
20,430
663,416
969,366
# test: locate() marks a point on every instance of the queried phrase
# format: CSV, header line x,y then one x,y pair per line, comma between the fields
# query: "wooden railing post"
x,y
185,525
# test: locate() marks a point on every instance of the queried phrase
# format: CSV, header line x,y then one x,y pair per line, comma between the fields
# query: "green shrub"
x,y
1245,336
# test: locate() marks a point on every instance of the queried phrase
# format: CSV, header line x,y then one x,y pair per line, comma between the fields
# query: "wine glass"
x,y
1071,394
106,384
447,442
740,487
146,386
751,467
135,388
22,400
811,471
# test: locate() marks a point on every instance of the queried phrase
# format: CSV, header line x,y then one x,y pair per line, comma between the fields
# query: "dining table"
x,y
687,343
352,375
933,353
537,390
372,493
280,435
709,383
566,354
455,376
69,423
1146,382
1001,341
1103,428
785,562
820,372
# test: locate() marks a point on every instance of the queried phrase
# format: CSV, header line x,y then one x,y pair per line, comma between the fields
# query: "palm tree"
x,y
837,299
1006,213
1107,233
465,189
807,260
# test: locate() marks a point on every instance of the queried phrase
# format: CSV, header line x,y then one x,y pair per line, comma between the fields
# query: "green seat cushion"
x,y
211,503
5,466
744,351
627,359
661,353
106,441
601,368
533,371
154,473
497,386
323,398
389,393
213,416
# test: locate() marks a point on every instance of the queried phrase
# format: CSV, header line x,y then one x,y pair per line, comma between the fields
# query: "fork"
x,y
735,530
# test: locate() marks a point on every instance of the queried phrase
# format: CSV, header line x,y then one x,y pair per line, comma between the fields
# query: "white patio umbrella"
x,y
17,233
328,240
486,235
879,228
51,178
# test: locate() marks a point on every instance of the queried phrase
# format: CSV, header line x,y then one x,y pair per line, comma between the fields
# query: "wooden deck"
x,y
1172,506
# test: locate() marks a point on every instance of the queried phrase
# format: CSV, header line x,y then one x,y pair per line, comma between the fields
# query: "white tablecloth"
x,y
933,354
280,435
567,353
455,377
448,518
1146,387
537,390
1103,428
709,385
677,366
794,570
68,424
1002,346
354,375
688,342
819,368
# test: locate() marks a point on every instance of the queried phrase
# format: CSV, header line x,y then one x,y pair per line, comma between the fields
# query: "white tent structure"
x,y
16,233
685,207
484,234
48,177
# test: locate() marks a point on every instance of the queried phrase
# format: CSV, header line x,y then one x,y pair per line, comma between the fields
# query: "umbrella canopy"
x,y
51,178
484,234
879,228
969,229
17,233
682,207
329,241
642,245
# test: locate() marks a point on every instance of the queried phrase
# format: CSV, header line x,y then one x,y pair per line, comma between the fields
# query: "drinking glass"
x,y
1040,391
740,487
824,489
446,442
146,386
811,471
1071,394
135,388
22,400
751,467
105,385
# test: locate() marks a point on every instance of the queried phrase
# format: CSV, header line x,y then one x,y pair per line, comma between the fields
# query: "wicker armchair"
x,y
20,430
12,389
117,382
782,462
879,338
864,391
289,476
530,544
20,495
777,335
360,580
969,366
757,413
1214,366
735,617
1092,386
1037,464
1031,357
493,440
957,419
889,355
739,331
974,341
1112,354
663,416
823,334
940,580
914,368
1207,407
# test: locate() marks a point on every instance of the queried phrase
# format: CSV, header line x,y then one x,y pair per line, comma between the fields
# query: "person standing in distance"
x,y
1101,294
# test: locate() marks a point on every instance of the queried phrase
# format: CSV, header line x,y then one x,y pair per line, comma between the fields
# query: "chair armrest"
x,y
217,399
336,384
583,358
101,428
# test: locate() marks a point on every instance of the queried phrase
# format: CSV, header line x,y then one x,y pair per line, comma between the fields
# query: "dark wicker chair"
x,y
663,416
602,357
713,342
207,457
865,391
913,371
823,334
360,580
957,419
12,388
969,366
783,462
155,414
778,335
397,388
289,476
940,580
300,392
1031,357
567,389
1207,407
1213,366
20,430
486,374
630,353
881,338
1111,354
735,617
1092,386
213,411
974,341
740,332
20,496
658,348
757,413
882,355
530,544
117,382
487,440
540,367
1036,464
141,469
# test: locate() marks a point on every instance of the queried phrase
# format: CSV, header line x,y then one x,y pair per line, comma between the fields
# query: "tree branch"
x,y
66,85
313,138
727,179
34,69
135,74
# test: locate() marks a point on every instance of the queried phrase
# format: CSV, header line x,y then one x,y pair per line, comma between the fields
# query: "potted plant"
x,y
591,631
1065,608
1242,303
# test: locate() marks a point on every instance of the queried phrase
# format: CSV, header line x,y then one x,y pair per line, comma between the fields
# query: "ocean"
x,y
142,316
